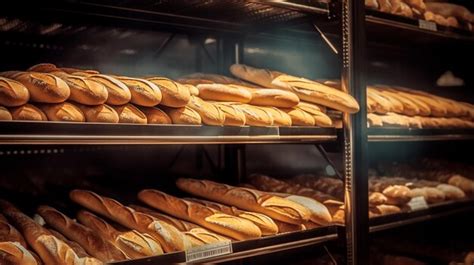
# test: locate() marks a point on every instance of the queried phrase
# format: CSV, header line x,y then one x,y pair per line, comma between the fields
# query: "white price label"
x,y
428,25
208,251
418,203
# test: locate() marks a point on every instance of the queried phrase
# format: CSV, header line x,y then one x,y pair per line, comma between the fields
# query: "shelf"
x,y
414,135
19,132
250,248
434,211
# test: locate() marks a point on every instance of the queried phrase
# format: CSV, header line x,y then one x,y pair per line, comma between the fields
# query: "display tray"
x,y
23,132
409,134
416,216
249,248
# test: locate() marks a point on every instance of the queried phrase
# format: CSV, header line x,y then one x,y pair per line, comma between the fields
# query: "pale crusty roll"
x,y
49,248
5,115
13,253
265,223
84,90
63,112
300,117
118,92
94,244
175,95
133,243
144,92
210,114
28,112
274,98
280,118
183,115
12,93
128,113
99,113
254,116
168,236
231,226
220,92
247,199
9,233
233,115
43,87
262,77
155,115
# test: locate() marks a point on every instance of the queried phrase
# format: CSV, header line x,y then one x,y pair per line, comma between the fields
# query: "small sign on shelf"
x,y
208,251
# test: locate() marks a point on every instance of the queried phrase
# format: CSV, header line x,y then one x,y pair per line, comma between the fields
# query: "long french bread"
x,y
64,111
12,93
84,90
143,92
262,77
9,233
78,249
128,113
118,92
28,112
233,115
99,113
175,95
274,98
221,92
210,114
13,253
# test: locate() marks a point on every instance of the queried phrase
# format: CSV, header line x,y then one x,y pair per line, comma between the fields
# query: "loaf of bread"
x,y
380,104
168,236
431,195
220,92
247,199
397,194
254,116
133,243
409,108
128,113
42,87
84,90
77,71
49,248
274,98
12,93
374,120
383,209
5,115
262,77
451,192
377,198
78,249
155,115
299,117
183,115
28,112
231,226
193,90
143,92
280,118
13,253
327,185
265,223
175,95
118,92
43,68
233,115
99,113
205,78
63,112
465,184
9,233
93,243
320,118
210,114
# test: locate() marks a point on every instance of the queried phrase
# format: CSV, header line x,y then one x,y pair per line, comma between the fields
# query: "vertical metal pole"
x,y
355,133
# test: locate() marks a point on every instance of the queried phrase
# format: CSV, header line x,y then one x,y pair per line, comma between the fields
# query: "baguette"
x,y
311,108
5,115
78,249
43,68
63,112
143,92
431,195
84,90
100,113
220,92
155,115
409,108
254,116
202,78
51,250
300,117
262,77
9,233
43,87
193,90
280,118
183,115
247,199
12,93
133,243
274,98
175,95
438,109
168,236
231,226
210,114
233,115
383,209
28,112
381,105
118,92
394,104
465,184
128,113
13,253
374,120
320,118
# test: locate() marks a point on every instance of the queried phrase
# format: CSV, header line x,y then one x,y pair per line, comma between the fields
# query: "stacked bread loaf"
x,y
401,107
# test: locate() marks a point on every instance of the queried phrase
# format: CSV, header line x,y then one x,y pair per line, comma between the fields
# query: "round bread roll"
x,y
43,87
220,92
233,116
175,95
5,114
210,114
274,98
84,90
144,92
28,112
119,94
280,118
193,90
183,115
43,68
63,112
100,113
128,113
255,116
155,115
300,117
12,93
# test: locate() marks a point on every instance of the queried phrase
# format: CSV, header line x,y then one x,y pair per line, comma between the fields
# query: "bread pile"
x,y
442,13
401,107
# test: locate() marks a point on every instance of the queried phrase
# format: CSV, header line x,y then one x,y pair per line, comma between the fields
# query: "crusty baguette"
x,y
254,116
12,93
383,99
221,92
5,115
51,250
280,118
383,209
193,90
210,114
247,199
175,95
205,78
300,117
84,90
311,107
409,108
374,120
64,111
28,112
78,249
143,92
133,243
233,115
118,92
128,113
13,253
207,217
9,233
94,244
99,113
274,98
320,118
43,68
43,87
262,77
155,115
380,104
168,236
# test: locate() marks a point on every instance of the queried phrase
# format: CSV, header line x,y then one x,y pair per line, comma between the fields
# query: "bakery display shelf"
x,y
250,248
411,135
417,216
22,132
